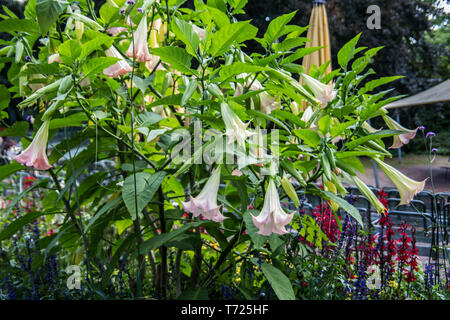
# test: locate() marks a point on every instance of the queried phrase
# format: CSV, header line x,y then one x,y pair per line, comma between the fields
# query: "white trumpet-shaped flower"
x,y
236,130
323,92
205,203
272,218
139,47
36,155
401,139
268,103
407,187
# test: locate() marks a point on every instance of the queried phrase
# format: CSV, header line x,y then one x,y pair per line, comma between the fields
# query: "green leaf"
x,y
279,282
268,117
184,31
189,92
173,100
142,84
8,231
95,44
8,169
69,51
300,53
73,120
219,17
148,118
310,137
18,129
97,65
236,68
372,136
105,208
234,33
344,205
47,12
146,186
369,86
177,57
5,97
18,25
347,52
276,27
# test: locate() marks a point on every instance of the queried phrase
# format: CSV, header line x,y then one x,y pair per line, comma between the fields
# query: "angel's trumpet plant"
x,y
139,46
36,153
272,218
120,68
401,139
323,92
407,187
205,203
236,130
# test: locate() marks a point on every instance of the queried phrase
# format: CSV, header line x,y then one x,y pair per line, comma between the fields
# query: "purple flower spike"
x,y
122,11
421,128
430,134
130,2
434,150
139,10
27,58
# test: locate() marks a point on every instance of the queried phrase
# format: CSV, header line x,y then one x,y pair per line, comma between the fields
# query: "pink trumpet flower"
x,y
54,58
205,203
120,68
36,155
401,139
272,218
139,47
114,31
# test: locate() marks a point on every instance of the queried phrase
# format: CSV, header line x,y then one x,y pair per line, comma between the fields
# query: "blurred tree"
x,y
415,35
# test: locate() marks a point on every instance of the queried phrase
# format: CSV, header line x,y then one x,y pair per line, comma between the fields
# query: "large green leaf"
x,y
310,137
376,135
185,32
276,27
18,129
8,169
279,282
97,65
344,205
347,52
177,57
20,25
236,68
47,12
233,33
146,186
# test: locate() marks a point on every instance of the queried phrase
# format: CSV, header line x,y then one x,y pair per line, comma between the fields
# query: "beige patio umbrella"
x,y
319,35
